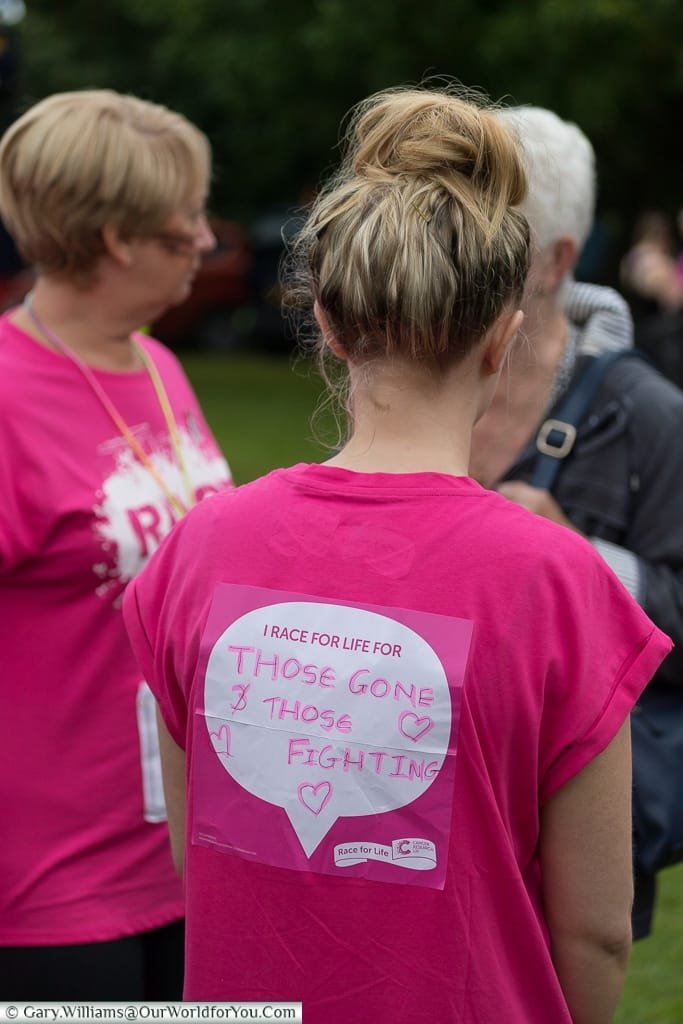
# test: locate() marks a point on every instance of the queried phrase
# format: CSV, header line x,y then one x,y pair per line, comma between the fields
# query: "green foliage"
x,y
653,992
261,410
270,82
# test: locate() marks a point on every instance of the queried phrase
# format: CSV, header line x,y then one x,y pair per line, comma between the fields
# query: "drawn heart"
x,y
221,740
314,798
413,727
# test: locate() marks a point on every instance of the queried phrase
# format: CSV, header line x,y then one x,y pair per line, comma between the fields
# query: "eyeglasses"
x,y
180,242
175,242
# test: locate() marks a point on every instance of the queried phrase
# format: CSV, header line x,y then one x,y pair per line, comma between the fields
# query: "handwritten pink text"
x,y
395,766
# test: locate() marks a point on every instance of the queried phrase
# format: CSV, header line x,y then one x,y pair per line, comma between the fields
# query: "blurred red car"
x,y
14,288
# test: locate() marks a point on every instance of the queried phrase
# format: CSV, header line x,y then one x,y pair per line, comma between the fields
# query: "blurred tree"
x,y
269,82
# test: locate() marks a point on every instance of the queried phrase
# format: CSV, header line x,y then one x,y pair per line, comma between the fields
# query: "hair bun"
x,y
414,248
439,137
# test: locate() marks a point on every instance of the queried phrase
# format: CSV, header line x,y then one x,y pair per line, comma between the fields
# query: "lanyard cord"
x,y
171,423
116,416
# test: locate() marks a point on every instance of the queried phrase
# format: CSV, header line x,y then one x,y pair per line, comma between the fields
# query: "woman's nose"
x,y
205,238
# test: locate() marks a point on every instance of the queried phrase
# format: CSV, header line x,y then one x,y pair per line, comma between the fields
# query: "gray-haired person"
x,y
622,487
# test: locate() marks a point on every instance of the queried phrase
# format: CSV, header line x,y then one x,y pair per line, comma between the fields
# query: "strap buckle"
x,y
548,445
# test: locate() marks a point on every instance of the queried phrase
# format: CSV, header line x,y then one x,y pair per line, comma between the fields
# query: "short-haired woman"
x,y
103,448
402,701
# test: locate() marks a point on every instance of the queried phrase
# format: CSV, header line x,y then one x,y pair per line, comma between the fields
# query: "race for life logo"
x,y
416,854
133,515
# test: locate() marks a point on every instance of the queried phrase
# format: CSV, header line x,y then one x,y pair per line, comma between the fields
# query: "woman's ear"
x,y
499,339
115,247
326,331
558,259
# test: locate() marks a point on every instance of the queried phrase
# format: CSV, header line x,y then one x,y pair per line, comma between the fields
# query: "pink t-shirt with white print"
x,y
378,680
84,854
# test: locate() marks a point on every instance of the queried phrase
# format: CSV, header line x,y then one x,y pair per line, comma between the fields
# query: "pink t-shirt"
x,y
378,679
84,855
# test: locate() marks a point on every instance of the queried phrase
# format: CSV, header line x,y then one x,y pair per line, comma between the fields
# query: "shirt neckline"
x,y
41,354
321,476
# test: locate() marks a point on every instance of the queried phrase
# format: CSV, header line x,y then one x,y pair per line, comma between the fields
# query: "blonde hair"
x,y
79,160
415,247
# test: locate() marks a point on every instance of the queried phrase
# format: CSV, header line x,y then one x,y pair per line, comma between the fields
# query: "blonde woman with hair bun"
x,y
103,447
400,700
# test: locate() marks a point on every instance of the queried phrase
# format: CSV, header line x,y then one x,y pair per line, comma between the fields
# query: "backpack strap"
x,y
557,435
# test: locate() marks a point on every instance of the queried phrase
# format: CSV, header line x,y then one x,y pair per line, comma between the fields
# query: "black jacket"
x,y
623,483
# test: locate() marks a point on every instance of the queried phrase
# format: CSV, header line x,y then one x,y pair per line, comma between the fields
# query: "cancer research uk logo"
x,y
339,716
133,516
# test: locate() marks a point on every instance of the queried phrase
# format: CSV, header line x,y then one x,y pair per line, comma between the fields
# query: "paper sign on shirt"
x,y
328,734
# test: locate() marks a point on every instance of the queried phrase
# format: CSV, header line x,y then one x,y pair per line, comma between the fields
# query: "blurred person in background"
x,y
649,270
622,485
652,276
679,254
103,447
323,640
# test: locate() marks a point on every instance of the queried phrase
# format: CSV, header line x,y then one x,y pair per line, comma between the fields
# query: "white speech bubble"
x,y
348,716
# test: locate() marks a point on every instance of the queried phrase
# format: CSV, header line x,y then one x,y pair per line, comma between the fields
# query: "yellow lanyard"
x,y
118,419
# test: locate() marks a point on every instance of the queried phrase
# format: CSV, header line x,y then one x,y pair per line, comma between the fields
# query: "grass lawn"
x,y
654,987
259,409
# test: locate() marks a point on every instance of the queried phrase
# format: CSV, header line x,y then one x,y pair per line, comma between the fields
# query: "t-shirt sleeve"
x,y
607,652
164,621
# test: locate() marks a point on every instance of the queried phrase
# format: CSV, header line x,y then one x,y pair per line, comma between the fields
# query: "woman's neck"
x,y
523,394
57,315
405,425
